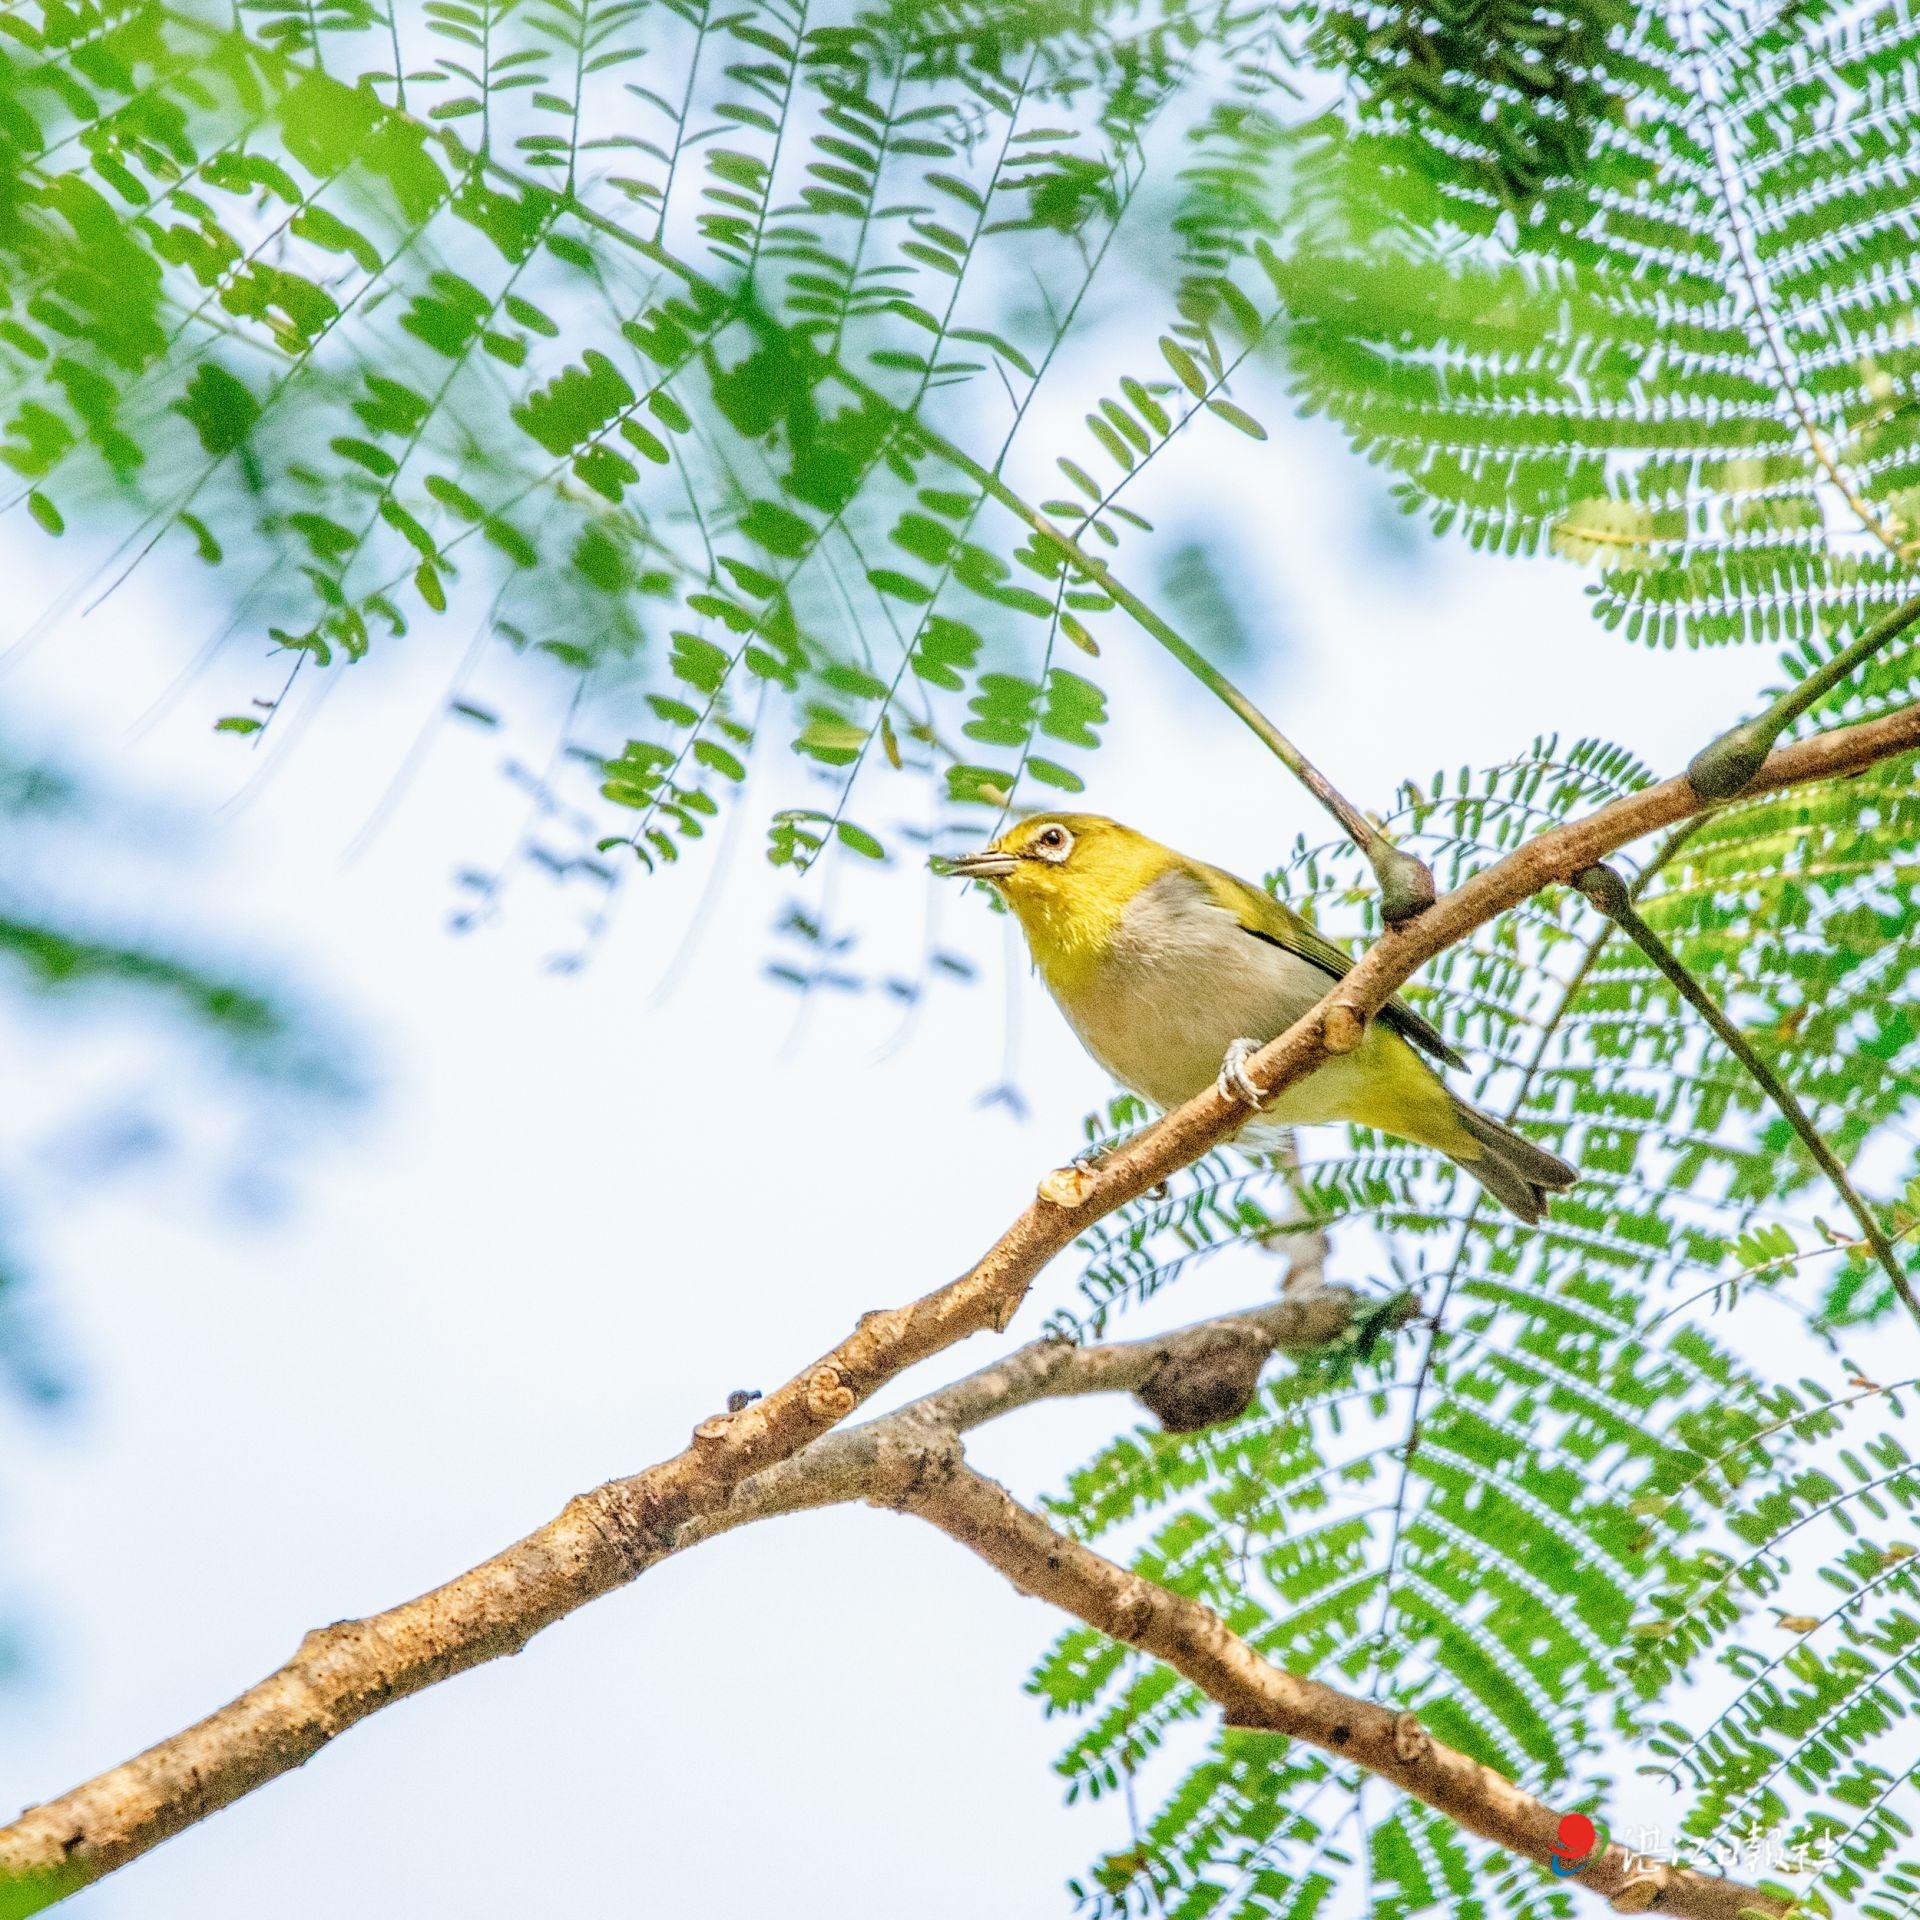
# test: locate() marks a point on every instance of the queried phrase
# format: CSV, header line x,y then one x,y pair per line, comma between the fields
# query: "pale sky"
x,y
576,1213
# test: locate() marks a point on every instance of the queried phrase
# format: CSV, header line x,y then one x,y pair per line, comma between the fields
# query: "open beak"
x,y
988,864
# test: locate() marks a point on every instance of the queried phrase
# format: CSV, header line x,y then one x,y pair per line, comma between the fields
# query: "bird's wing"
x,y
1265,918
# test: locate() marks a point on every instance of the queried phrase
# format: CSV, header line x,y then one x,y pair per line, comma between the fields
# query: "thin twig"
x,y
1406,882
1604,887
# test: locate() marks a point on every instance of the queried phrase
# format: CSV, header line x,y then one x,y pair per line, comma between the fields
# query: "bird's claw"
x,y
1233,1082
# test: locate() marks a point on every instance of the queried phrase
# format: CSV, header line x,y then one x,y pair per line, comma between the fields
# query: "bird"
x,y
1173,973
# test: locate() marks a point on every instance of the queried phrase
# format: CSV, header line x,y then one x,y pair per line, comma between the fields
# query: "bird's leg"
x,y
1233,1083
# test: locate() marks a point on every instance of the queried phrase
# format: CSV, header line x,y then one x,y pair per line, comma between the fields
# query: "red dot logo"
x,y
1573,1843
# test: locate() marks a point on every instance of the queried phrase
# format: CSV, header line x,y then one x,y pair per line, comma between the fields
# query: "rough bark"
x,y
937,1486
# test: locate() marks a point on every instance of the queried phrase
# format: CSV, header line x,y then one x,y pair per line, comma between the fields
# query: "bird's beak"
x,y
988,864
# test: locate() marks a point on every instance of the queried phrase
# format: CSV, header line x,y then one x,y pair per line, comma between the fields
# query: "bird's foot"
x,y
1233,1082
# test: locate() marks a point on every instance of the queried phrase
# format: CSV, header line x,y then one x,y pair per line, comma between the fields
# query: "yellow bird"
x,y
1172,973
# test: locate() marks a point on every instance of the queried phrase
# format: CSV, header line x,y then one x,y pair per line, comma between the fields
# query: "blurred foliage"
x,y
1203,587
60,954
56,839
697,357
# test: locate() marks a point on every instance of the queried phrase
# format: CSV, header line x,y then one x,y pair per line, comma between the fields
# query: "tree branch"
x,y
603,1539
1207,1372
1727,762
937,1486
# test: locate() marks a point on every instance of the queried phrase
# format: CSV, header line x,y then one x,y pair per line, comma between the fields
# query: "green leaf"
x,y
1050,774
712,755
454,497
220,407
1083,480
831,739
577,404
410,529
1186,368
1007,352
947,649
858,840
206,547
646,443
1237,417
778,529
698,662
899,586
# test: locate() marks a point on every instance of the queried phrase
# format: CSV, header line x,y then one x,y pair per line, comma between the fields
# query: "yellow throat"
x,y
1070,914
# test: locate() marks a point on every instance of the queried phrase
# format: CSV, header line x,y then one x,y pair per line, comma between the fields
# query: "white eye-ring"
x,y
1053,843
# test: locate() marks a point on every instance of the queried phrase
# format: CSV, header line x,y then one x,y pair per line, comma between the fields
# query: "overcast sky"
x,y
577,1211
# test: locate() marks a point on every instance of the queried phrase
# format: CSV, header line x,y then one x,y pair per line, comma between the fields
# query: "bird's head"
x,y
1069,878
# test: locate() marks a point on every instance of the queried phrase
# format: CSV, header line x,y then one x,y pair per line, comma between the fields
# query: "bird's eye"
x,y
1052,842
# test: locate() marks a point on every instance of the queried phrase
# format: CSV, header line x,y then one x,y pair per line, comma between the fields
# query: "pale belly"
x,y
1184,982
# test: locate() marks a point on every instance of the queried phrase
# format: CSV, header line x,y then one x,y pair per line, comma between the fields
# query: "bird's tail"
x,y
1516,1172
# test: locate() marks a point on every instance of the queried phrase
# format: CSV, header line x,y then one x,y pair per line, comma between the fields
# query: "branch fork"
x,y
1726,765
